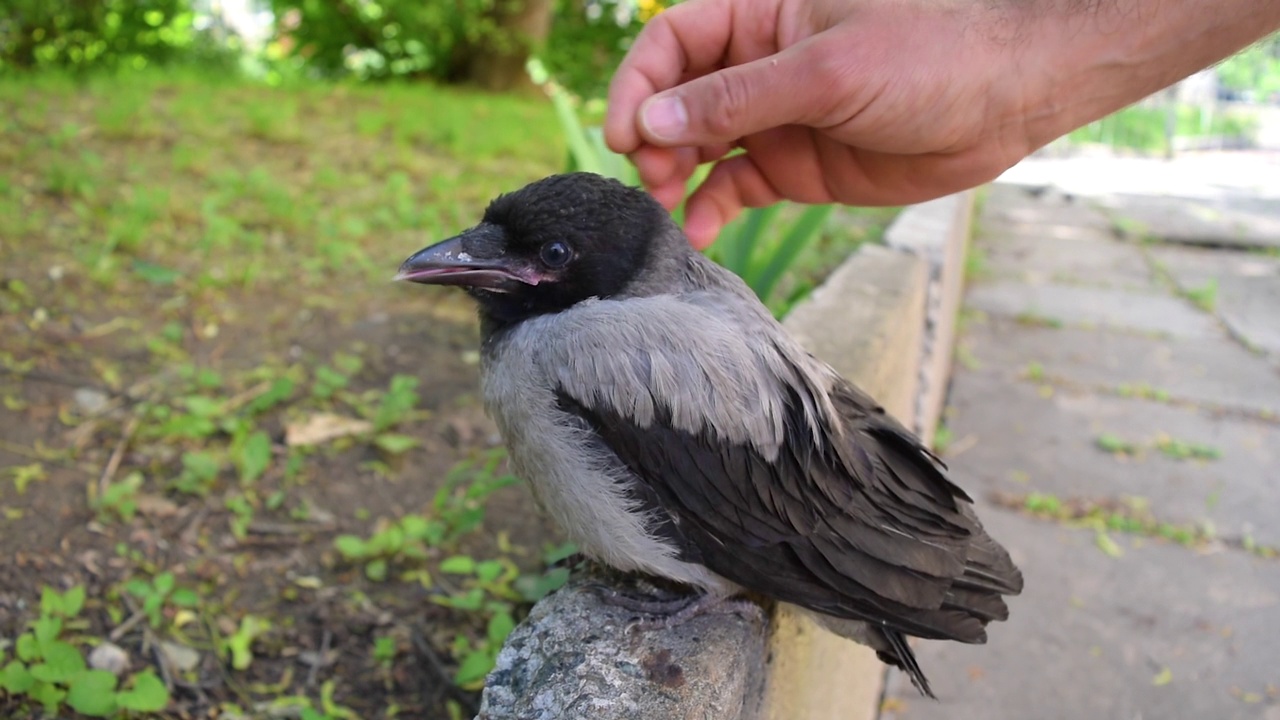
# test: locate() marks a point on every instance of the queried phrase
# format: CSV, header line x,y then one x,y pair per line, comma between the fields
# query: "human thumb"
x,y
735,102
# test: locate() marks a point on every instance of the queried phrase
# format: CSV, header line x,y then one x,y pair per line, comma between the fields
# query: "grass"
x,y
1142,128
1030,318
207,380
1129,515
242,175
1172,448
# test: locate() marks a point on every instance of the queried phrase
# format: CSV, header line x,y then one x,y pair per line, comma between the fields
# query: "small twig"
x,y
442,674
239,399
161,661
17,449
321,659
124,627
56,378
113,464
264,527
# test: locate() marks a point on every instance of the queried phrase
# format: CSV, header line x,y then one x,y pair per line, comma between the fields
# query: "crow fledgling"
x,y
672,427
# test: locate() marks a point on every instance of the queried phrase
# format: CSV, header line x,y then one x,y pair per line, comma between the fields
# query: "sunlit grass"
x,y
213,178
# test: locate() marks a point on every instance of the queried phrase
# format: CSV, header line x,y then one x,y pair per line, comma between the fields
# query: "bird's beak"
x,y
446,263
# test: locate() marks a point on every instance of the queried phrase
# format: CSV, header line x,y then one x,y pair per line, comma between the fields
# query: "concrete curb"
x,y
885,319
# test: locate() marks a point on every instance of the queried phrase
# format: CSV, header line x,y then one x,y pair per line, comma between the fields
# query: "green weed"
x,y
162,590
51,672
1033,319
1204,296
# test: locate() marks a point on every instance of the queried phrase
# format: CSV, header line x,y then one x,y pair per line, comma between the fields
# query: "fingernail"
x,y
665,117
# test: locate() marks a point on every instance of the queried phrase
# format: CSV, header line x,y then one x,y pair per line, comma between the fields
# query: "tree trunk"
x,y
498,64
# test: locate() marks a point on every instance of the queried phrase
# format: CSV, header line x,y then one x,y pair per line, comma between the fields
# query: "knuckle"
x,y
729,107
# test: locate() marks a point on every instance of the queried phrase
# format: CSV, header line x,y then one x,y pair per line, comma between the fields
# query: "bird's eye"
x,y
555,253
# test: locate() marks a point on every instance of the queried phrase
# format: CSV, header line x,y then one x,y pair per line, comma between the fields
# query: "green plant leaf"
x,y
1107,545
400,399
351,547
50,602
240,644
458,565
185,597
489,570
473,599
27,648
148,694
281,390
500,626
376,570
414,526
165,582
92,693
394,443
474,667
15,678
203,407
801,234
73,601
61,662
535,587
138,587
49,696
754,223
253,457
46,630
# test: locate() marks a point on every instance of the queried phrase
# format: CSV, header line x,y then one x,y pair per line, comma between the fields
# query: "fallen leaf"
x,y
180,657
1164,677
156,506
322,428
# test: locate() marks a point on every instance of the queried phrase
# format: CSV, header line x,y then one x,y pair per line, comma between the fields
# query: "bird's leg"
x,y
666,614
699,605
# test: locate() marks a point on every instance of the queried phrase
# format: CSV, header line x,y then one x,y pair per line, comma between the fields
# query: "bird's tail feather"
x,y
900,655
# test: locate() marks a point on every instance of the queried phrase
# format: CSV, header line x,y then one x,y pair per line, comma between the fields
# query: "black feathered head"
x,y
547,247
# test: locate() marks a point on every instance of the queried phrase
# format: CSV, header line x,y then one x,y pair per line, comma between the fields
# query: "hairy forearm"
x,y
1088,58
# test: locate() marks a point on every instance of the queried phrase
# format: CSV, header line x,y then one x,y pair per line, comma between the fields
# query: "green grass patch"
x,y
1127,515
1143,128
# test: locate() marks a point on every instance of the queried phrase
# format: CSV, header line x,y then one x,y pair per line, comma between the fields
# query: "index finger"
x,y
687,40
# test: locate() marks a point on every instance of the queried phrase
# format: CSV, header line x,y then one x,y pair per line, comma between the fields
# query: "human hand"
x,y
870,103
888,102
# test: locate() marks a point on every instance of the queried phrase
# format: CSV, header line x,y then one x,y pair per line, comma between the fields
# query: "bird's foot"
x,y
670,613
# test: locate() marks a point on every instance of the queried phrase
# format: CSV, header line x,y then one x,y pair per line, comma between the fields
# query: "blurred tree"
x,y
589,38
480,41
1255,69
90,34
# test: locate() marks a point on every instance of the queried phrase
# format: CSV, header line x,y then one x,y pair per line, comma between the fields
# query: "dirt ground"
x,y
58,540
167,350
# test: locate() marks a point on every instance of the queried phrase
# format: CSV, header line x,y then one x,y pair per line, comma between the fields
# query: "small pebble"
x,y
89,400
110,657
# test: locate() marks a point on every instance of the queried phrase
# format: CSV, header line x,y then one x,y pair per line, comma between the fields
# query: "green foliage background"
x,y
103,34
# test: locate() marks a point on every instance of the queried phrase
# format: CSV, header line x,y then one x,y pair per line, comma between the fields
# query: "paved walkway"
x,y
1116,410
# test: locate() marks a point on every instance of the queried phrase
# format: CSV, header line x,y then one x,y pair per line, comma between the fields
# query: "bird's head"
x,y
547,247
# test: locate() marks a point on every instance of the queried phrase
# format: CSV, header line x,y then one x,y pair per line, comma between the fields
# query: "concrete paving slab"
x,y
1091,636
1106,307
1162,630
1093,257
1220,375
1008,437
1222,222
1247,288
1251,176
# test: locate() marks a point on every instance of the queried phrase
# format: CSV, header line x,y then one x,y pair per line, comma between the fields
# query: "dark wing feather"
x,y
859,522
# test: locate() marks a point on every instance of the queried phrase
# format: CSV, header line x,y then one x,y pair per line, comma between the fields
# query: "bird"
x,y
673,428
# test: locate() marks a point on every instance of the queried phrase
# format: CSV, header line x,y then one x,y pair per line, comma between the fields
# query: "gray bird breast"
x,y
595,353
